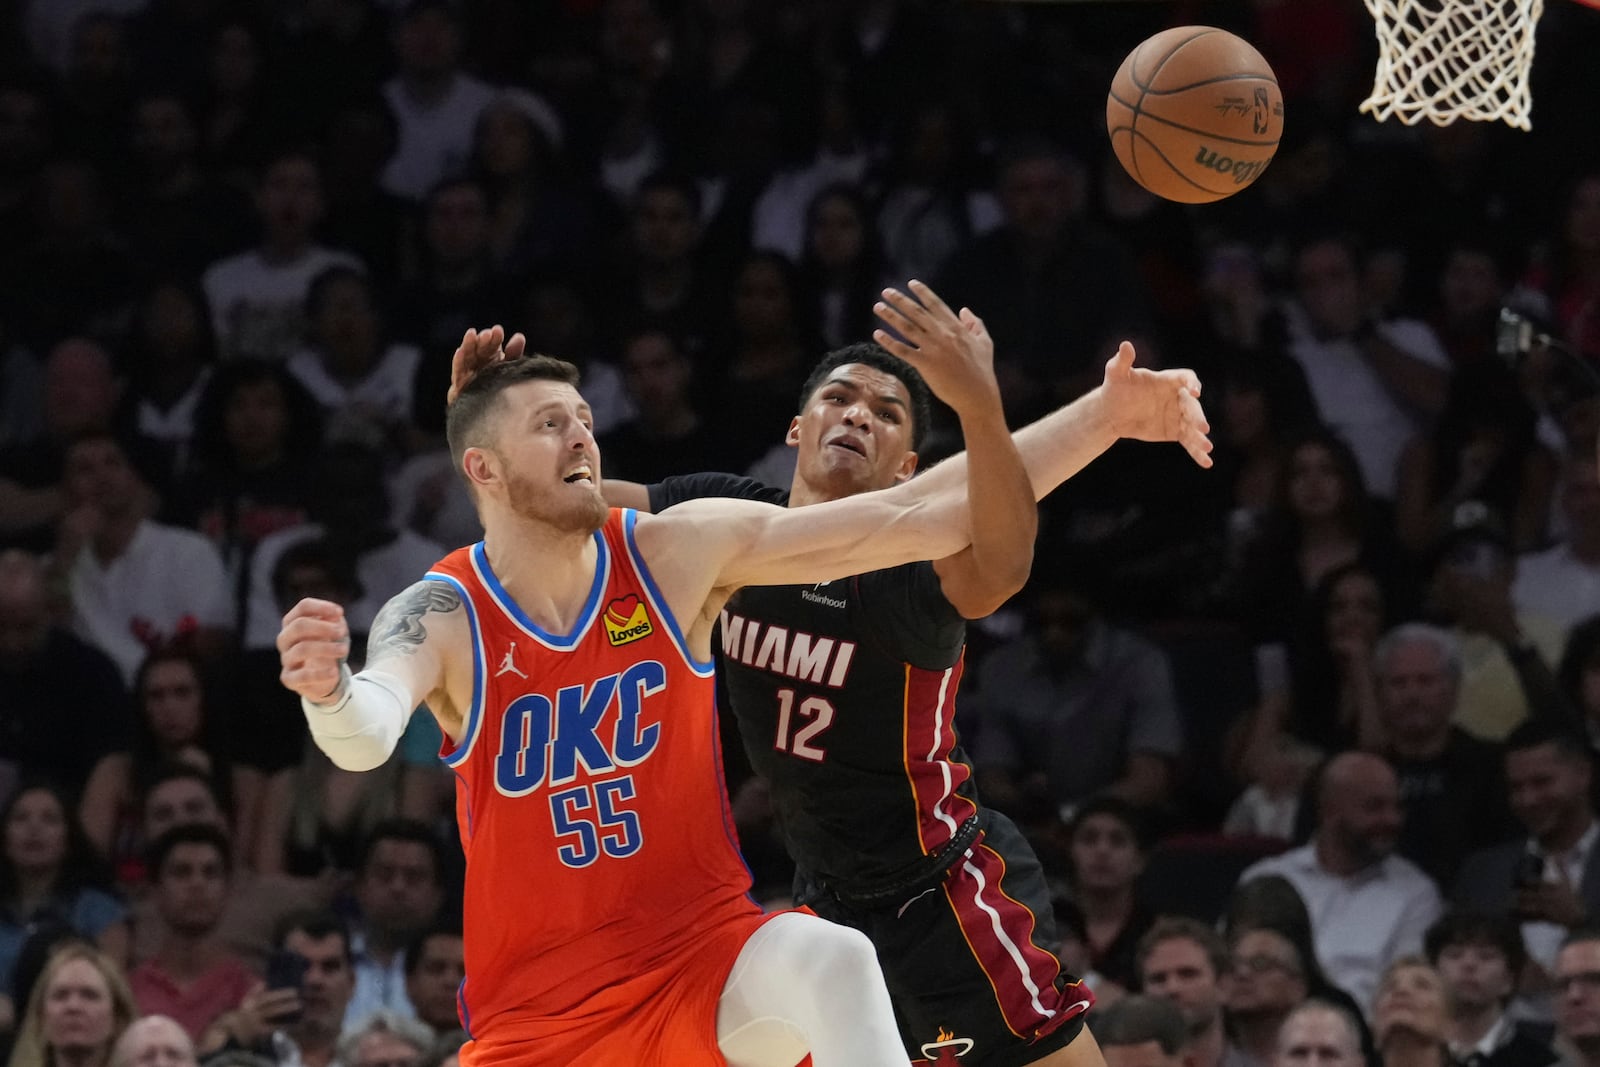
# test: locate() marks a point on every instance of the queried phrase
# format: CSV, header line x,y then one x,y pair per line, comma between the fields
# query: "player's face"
x,y
547,459
854,434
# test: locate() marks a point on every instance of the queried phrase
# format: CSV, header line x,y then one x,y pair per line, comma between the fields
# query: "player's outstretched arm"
x,y
1132,402
725,544
357,719
1003,517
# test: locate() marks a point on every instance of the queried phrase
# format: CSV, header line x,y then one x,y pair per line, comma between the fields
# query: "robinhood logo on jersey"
x,y
626,620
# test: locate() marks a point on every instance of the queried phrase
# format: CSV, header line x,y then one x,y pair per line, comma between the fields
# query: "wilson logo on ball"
x,y
1242,170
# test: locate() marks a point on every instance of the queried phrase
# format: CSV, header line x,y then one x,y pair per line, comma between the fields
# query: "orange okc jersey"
x,y
605,896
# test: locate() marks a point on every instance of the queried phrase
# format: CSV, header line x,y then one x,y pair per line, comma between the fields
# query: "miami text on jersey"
x,y
794,654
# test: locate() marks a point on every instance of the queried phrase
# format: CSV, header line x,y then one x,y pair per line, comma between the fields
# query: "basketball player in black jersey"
x,y
844,692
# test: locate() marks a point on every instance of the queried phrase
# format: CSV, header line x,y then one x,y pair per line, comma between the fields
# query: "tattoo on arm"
x,y
398,628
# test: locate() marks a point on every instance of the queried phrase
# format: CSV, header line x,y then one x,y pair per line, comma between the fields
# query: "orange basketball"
x,y
1194,114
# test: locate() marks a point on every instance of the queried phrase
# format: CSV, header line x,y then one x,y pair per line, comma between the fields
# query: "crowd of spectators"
x,y
1306,740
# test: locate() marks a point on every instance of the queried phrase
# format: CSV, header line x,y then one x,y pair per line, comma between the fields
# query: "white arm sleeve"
x,y
361,731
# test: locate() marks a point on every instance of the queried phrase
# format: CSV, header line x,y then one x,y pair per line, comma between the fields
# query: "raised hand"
x,y
1155,405
954,353
480,349
312,647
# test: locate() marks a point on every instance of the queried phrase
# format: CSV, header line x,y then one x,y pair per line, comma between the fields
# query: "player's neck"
x,y
547,572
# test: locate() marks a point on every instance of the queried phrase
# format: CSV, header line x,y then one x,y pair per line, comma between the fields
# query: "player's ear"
x,y
792,438
908,467
481,466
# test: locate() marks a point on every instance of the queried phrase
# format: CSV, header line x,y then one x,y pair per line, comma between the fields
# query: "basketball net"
x,y
1444,60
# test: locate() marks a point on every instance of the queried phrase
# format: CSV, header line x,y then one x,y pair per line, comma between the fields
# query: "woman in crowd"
x,y
174,725
48,873
1410,1017
79,1007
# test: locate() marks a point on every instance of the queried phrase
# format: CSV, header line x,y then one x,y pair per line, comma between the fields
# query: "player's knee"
x,y
836,954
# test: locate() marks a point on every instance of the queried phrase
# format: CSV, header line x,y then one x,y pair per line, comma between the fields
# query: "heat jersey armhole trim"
x,y
452,757
704,668
502,599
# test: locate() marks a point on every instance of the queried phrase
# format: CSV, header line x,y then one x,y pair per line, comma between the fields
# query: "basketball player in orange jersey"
x,y
608,921
844,693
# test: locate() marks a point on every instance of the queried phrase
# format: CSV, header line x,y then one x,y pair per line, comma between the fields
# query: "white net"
x,y
1444,60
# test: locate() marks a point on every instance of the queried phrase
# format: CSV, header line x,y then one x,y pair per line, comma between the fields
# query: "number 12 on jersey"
x,y
814,715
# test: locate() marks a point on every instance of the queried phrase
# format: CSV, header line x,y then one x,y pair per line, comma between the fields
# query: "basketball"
x,y
1194,114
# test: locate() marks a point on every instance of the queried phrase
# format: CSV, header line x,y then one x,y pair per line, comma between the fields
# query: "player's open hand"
x,y
954,353
1155,405
480,349
312,647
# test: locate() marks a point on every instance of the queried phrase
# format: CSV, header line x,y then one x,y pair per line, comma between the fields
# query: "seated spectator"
x,y
1267,980
1370,905
62,702
668,436
385,1039
1371,379
1073,707
48,873
170,364
1505,654
434,102
360,377
1577,981
1319,1033
79,1008
1138,1031
1186,962
153,1041
1327,520
1482,453
192,977
1106,853
305,1020
1479,957
1579,677
258,296
398,893
540,213
1410,1017
1319,692
1452,783
350,510
256,432
1549,877
175,724
842,264
83,393
255,901
1271,902
455,289
1562,583
135,583
435,969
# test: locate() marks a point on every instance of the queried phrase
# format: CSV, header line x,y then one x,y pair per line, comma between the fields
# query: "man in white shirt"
x,y
1562,583
135,583
1368,906
435,105
258,297
1371,381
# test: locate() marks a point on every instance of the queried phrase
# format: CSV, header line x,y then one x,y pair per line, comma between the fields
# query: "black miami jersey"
x,y
845,696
